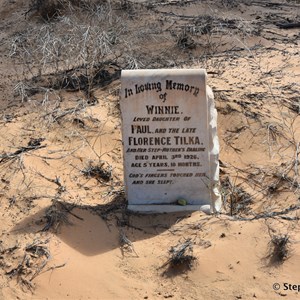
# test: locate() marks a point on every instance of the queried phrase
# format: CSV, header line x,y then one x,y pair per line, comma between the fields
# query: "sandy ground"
x,y
65,231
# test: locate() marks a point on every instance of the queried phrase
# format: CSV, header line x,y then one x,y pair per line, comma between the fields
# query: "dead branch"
x,y
50,269
274,214
10,249
60,187
33,144
59,157
288,25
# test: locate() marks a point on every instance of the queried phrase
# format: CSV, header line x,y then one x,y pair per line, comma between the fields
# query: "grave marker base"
x,y
162,208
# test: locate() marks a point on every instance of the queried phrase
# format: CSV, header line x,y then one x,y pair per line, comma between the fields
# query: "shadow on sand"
x,y
93,230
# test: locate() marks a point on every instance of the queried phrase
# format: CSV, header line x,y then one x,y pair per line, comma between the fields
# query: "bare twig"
x,y
274,214
34,144
126,245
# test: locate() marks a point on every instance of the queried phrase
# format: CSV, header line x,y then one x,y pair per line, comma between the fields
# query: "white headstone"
x,y
170,141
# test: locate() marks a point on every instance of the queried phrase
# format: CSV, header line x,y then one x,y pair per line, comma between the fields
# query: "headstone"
x,y
170,141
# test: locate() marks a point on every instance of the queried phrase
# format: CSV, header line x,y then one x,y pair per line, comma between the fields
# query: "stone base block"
x,y
163,208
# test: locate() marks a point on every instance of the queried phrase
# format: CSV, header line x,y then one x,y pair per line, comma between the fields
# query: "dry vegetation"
x,y
61,162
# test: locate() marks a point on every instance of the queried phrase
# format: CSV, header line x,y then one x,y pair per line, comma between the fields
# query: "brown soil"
x,y
65,231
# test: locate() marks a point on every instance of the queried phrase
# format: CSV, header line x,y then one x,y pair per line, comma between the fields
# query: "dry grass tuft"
x,y
56,216
181,256
99,172
279,249
185,41
235,199
35,257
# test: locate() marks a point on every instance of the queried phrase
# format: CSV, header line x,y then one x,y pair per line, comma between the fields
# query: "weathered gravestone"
x,y
170,141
